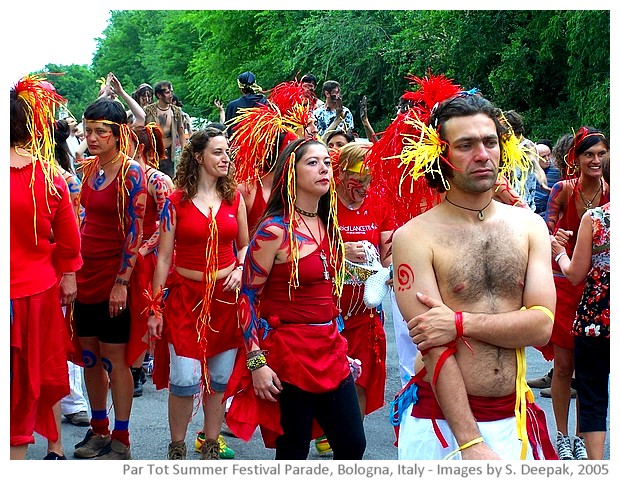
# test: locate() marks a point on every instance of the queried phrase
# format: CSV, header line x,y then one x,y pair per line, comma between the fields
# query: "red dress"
x,y
39,338
182,306
568,295
305,348
363,327
103,250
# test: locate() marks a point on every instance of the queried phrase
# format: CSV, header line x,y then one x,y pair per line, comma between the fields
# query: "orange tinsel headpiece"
x,y
257,141
41,100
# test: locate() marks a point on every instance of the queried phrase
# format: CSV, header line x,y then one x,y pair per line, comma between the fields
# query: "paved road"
x,y
149,424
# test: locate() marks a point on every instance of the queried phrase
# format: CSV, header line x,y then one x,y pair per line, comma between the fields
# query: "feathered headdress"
x,y
255,142
407,193
424,150
40,99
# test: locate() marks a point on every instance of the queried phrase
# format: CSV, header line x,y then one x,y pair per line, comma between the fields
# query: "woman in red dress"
x,y
40,211
204,224
295,380
568,201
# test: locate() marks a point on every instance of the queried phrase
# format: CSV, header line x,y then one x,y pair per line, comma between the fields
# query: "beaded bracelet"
x,y
256,362
255,353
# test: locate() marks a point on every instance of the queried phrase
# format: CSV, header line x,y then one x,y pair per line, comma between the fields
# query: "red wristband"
x,y
458,323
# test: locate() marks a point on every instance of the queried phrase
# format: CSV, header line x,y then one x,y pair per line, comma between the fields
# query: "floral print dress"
x,y
592,317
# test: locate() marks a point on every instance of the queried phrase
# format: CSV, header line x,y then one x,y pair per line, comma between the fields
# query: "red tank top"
x,y
192,228
258,209
102,236
311,302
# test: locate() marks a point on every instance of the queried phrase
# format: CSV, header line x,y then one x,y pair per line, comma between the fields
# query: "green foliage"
x,y
551,66
76,83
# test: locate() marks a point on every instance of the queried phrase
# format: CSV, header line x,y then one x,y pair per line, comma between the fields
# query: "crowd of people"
x,y
245,264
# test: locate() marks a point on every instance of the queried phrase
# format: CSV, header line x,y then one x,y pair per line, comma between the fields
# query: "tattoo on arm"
x,y
255,276
134,214
405,277
159,190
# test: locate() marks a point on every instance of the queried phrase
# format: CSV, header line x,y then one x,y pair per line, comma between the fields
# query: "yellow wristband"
x,y
545,310
465,446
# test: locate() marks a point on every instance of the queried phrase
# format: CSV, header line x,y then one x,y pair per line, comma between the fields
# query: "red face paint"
x,y
405,277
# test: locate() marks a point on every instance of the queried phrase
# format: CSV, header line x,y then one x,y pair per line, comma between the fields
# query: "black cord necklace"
x,y
480,211
303,212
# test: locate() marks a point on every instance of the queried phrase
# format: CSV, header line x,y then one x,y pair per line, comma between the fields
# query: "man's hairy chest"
x,y
481,267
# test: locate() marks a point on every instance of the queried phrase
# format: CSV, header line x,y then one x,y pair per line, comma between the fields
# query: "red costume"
x,y
104,251
39,339
142,275
301,336
363,327
258,209
182,307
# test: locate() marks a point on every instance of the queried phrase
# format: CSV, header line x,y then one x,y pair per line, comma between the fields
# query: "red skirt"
x,y
366,338
40,346
181,312
311,357
141,278
568,297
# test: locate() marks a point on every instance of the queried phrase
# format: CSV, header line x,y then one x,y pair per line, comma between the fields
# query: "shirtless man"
x,y
170,119
462,273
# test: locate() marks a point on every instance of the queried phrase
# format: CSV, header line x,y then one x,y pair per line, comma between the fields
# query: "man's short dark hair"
x,y
309,78
461,105
159,87
330,85
546,142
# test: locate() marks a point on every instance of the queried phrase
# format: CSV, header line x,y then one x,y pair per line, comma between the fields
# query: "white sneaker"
x,y
564,447
579,449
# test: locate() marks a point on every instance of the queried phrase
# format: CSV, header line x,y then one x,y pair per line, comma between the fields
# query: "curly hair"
x,y
560,151
187,175
459,106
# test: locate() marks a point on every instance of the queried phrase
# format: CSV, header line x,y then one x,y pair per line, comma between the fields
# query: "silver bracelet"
x,y
558,256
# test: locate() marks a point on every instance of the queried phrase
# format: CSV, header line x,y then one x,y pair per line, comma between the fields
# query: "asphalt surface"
x,y
150,435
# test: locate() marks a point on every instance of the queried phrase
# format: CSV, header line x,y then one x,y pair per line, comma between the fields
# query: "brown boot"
x,y
210,450
177,450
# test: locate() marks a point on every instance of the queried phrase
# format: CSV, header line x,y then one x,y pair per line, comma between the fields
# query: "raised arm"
x,y
136,109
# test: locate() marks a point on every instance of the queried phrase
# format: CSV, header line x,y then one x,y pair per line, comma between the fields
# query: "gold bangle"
x,y
465,446
545,310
